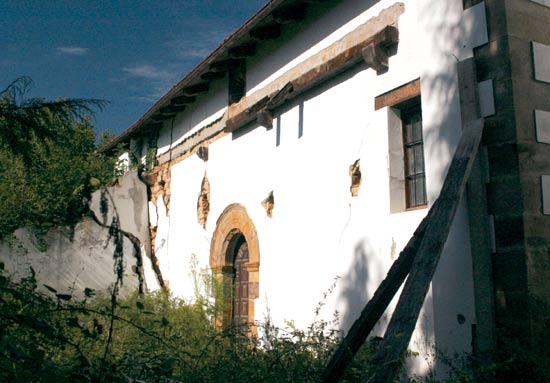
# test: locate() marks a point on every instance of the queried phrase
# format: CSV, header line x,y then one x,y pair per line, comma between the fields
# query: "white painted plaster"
x,y
486,98
153,216
207,109
542,2
151,280
545,185
123,163
541,61
542,123
318,231
474,29
318,34
162,239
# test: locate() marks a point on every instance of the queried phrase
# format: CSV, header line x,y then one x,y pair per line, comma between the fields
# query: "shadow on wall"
x,y
451,39
354,291
359,284
301,36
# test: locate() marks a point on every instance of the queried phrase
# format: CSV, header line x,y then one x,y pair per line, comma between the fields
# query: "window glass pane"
x,y
418,159
417,128
409,161
413,148
408,134
410,193
420,191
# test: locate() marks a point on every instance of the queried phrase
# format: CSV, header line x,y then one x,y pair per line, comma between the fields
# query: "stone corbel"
x,y
265,118
375,57
377,52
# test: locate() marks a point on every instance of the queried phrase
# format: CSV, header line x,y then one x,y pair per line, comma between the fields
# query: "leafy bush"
x,y
149,338
49,160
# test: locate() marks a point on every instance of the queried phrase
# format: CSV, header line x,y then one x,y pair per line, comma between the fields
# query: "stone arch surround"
x,y
235,221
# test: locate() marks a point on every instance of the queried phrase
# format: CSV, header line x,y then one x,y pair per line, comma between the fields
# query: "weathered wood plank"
x,y
403,321
376,306
192,90
289,14
242,51
388,36
398,95
266,32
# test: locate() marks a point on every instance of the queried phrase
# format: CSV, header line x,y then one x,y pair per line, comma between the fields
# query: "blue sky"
x,y
127,52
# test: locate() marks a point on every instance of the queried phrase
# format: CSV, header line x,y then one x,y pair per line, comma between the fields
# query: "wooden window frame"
x,y
413,157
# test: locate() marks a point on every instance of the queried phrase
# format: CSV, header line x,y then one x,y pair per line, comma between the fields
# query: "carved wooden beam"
x,y
281,96
375,57
388,36
290,14
153,126
200,87
171,109
219,66
243,51
212,75
236,84
398,95
266,32
162,117
265,118
182,100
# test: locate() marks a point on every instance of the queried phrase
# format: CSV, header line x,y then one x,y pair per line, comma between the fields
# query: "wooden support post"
x,y
376,306
403,321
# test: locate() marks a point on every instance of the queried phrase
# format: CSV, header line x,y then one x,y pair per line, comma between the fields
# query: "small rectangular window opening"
x,y
413,150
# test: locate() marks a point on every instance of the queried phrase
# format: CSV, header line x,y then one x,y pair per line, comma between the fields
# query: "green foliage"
x,y
56,337
48,160
147,338
24,119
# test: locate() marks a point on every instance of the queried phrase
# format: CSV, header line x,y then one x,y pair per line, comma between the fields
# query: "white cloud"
x,y
149,72
193,47
154,82
75,51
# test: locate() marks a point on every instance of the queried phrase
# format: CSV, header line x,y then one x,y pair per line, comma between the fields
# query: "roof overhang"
x,y
264,25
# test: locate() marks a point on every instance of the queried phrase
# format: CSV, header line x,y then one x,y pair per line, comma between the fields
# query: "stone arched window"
x,y
235,261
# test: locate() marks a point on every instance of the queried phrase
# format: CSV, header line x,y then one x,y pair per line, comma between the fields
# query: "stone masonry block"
x,y
541,61
509,231
504,197
512,305
474,22
503,160
510,270
542,123
530,186
545,186
542,2
486,98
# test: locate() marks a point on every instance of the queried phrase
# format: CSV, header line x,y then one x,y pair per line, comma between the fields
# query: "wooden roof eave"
x,y
240,36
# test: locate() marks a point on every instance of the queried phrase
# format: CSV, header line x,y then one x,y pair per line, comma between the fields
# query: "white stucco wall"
x,y
208,108
318,231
